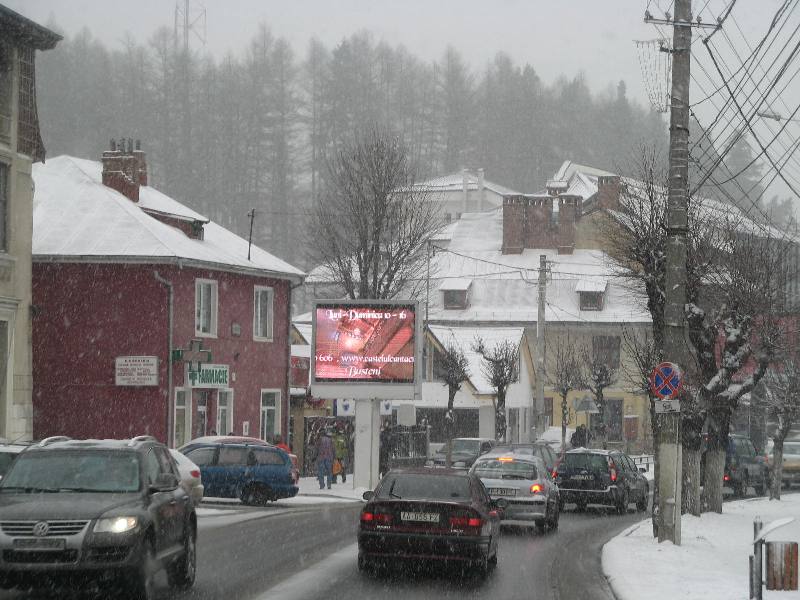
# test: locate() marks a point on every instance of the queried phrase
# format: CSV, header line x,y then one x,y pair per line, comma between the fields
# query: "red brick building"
x,y
122,277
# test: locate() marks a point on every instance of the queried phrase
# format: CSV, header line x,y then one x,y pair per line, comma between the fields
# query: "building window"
x,y
455,299
270,414
224,412
262,313
183,418
205,320
6,82
591,300
4,202
605,349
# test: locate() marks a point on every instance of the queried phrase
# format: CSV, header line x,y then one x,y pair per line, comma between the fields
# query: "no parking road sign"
x,y
666,382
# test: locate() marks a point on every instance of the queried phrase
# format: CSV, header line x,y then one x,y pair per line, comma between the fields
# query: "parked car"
x,y
190,476
8,452
608,477
791,461
464,453
253,471
429,514
524,481
96,511
744,467
539,448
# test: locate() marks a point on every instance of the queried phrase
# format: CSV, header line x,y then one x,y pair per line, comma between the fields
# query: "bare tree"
x,y
597,374
564,376
369,230
501,368
781,399
453,368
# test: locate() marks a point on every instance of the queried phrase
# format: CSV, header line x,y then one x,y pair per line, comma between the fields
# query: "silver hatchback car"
x,y
526,485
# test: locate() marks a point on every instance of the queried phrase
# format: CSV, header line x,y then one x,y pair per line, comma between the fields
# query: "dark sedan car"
x,y
429,514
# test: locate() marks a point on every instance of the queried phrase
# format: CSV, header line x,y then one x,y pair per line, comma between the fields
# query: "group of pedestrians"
x,y
332,456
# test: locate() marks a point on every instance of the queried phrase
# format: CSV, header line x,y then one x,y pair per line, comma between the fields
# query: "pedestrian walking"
x,y
325,455
341,449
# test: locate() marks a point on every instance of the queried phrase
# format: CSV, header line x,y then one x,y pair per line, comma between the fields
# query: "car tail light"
x,y
370,520
555,473
367,517
612,469
466,522
536,488
195,473
726,477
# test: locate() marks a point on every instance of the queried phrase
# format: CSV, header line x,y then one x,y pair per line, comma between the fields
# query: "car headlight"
x,y
115,524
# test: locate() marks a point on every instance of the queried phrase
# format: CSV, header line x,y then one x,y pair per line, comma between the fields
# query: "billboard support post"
x,y
366,443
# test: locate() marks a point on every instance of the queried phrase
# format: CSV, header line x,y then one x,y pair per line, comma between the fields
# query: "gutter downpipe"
x,y
170,399
286,420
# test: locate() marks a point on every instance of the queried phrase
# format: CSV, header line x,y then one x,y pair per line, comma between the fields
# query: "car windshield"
x,y
466,446
792,448
81,471
585,460
408,486
5,461
496,468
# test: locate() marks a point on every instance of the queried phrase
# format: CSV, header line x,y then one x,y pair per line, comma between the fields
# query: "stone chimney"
x,y
569,212
124,169
538,222
513,224
481,191
608,187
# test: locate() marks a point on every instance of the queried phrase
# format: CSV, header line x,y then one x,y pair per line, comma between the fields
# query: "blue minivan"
x,y
254,472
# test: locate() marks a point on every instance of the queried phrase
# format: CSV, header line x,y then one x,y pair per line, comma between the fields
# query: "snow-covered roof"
x,y
504,286
77,218
455,284
464,338
303,329
454,182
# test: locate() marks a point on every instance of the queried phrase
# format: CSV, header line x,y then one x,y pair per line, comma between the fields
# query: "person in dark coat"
x,y
325,454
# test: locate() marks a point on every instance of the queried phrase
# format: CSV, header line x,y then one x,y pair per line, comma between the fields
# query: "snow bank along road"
x,y
309,553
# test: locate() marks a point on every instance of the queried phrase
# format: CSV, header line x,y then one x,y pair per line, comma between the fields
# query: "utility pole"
x,y
538,408
252,216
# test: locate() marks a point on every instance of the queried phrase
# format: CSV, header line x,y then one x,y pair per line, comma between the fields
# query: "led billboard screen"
x,y
370,343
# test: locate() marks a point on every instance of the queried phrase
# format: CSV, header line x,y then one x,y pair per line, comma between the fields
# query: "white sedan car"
x,y
190,476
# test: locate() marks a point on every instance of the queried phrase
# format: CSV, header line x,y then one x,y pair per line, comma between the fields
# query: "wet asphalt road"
x,y
309,553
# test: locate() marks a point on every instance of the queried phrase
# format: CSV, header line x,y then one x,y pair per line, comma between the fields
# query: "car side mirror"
x,y
368,495
165,482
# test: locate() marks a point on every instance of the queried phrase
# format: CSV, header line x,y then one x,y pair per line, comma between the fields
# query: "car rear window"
x,y
585,460
423,487
498,469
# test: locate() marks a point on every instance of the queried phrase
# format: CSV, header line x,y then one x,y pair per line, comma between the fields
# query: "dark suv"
x,y
96,513
745,467
605,477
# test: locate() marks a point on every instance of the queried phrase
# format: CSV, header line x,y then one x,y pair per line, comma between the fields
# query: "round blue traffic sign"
x,y
666,380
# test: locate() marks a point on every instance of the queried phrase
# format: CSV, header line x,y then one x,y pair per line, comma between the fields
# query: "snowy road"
x,y
309,553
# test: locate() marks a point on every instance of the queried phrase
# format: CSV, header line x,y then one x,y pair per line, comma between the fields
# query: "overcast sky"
x,y
555,36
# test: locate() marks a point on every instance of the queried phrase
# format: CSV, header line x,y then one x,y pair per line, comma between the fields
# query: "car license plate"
x,y
502,491
420,517
39,544
583,477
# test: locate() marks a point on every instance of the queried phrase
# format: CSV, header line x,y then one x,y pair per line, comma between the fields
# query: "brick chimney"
x,y
124,169
513,224
608,192
569,211
538,222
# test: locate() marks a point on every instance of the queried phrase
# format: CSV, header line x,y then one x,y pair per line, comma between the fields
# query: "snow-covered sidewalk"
x,y
711,563
309,494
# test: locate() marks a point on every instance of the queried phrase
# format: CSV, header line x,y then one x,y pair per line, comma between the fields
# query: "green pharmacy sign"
x,y
210,376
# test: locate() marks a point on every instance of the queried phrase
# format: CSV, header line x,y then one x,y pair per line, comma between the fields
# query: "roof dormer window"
x,y
592,293
455,293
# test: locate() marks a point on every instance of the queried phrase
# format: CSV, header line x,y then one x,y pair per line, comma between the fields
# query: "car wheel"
x,y
553,524
761,488
181,574
740,488
641,504
580,506
365,564
255,495
622,504
483,567
141,584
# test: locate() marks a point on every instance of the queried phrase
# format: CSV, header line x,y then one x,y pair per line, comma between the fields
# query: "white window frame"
x,y
257,290
261,411
229,425
187,416
214,307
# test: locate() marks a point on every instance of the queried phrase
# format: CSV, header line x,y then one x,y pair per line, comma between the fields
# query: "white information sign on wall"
x,y
136,370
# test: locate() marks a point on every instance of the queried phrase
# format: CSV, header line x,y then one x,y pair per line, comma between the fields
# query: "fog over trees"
x,y
252,129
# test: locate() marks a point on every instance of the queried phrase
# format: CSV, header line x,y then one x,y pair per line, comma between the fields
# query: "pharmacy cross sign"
x,y
666,380
195,355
